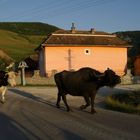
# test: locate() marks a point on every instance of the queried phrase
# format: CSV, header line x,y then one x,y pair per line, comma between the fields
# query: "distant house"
x,y
73,49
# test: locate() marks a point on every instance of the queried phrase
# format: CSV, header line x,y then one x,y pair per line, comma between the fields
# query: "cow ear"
x,y
93,75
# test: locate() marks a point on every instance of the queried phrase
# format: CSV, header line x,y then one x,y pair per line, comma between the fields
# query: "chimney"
x,y
73,28
92,31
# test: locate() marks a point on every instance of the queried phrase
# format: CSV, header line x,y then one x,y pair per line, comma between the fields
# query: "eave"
x,y
83,45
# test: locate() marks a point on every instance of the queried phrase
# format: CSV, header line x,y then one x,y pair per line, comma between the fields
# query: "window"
x,y
87,51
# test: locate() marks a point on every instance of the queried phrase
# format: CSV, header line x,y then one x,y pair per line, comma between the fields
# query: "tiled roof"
x,y
81,38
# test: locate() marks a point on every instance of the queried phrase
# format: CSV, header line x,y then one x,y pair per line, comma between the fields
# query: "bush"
x,y
128,102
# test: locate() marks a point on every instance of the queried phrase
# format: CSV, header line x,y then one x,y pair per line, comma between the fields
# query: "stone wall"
x,y
36,79
127,79
136,80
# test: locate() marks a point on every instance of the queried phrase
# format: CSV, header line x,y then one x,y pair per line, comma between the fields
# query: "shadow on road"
x,y
10,129
50,129
31,96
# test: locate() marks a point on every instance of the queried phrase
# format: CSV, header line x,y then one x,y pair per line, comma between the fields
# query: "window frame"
x,y
87,51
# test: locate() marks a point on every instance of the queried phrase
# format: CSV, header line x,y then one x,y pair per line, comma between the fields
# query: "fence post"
x,y
22,66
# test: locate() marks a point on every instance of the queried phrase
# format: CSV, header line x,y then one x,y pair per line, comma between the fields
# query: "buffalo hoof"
x,y
68,110
58,106
93,112
82,107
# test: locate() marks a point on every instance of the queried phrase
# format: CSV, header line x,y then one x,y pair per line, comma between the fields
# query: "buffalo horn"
x,y
99,75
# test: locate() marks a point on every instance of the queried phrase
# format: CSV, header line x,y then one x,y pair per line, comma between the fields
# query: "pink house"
x,y
73,49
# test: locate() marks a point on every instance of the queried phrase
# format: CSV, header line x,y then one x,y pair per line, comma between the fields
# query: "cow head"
x,y
110,78
11,78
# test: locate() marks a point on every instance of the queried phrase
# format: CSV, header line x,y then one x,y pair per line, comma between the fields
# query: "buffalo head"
x,y
110,78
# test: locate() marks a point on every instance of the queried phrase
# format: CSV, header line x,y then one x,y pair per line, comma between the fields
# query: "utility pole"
x,y
69,59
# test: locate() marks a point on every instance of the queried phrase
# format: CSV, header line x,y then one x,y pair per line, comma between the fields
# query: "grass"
x,y
127,102
19,39
19,46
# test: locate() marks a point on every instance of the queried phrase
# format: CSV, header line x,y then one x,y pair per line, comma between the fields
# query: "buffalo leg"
x,y
92,104
87,103
58,100
3,94
65,101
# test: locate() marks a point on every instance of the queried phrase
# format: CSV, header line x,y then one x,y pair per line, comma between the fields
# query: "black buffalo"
x,y
84,82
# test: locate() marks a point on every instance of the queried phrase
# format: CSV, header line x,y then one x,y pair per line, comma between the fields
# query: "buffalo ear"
x,y
92,75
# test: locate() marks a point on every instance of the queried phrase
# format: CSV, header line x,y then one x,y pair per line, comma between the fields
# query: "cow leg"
x,y
58,100
3,94
87,103
65,101
92,104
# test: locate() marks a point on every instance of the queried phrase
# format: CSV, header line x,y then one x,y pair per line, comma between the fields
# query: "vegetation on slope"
x,y
28,28
134,38
18,40
18,46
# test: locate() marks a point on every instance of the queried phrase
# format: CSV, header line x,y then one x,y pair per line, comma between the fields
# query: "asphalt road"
x,y
30,114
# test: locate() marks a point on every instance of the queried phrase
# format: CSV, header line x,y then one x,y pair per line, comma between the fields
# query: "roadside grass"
x,y
127,102
38,85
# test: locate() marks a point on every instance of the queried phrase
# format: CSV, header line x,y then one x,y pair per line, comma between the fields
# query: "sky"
x,y
102,15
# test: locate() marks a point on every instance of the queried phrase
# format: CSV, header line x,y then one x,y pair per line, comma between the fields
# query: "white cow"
x,y
5,79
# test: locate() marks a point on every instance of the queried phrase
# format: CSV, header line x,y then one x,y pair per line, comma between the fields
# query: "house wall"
x,y
42,62
100,58
137,66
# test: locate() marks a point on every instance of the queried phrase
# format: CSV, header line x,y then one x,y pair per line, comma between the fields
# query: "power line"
x,y
75,7
26,12
35,10
53,9
79,7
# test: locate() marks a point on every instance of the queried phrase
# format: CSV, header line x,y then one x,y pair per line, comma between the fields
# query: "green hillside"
x,y
18,40
28,28
133,37
18,46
